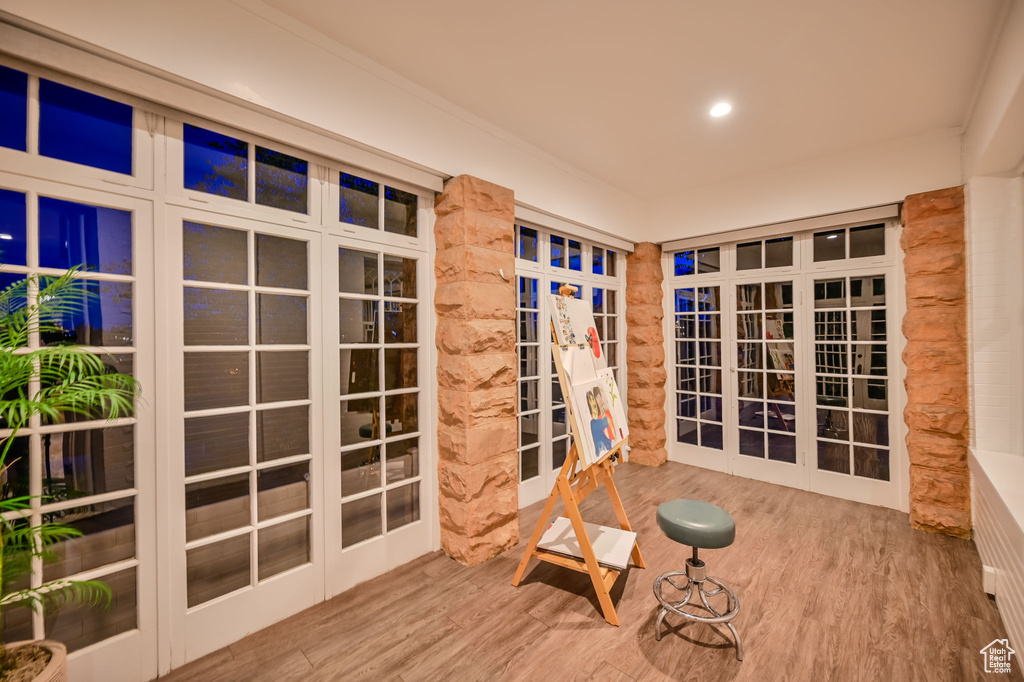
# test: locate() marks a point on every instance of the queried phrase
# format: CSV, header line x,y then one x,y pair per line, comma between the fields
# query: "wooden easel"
x,y
585,481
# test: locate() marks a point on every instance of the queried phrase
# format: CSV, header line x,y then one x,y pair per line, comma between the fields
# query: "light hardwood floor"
x,y
829,590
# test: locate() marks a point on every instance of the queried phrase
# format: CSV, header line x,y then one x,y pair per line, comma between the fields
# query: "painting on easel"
x,y
592,403
574,324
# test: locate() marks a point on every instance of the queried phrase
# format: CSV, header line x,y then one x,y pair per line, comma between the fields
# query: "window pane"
x,y
752,443
871,462
708,260
79,626
359,370
218,442
400,368
216,569
834,424
557,251
281,319
360,520
830,293
357,272
834,457
598,260
215,254
102,316
360,420
282,376
748,256
829,245
281,180
107,536
778,253
12,223
527,243
403,506
359,201
358,321
575,255
216,506
529,463
13,109
399,277
684,263
215,163
90,462
216,380
360,470
280,262
99,239
403,460
611,263
282,433
401,413
778,295
399,322
84,128
868,240
216,317
283,546
399,212
781,448
282,490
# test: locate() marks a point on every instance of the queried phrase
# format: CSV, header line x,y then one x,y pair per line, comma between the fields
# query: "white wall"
x,y
995,282
256,53
879,174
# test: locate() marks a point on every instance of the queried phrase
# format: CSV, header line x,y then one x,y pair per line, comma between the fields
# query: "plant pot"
x,y
57,669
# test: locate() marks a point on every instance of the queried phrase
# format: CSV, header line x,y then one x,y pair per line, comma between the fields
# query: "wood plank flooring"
x,y
829,590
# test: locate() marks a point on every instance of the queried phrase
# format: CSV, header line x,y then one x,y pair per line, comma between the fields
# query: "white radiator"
x,y
998,499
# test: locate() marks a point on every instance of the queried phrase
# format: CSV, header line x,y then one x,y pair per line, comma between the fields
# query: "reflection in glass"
x,y
282,490
751,384
748,297
360,520
359,201
101,317
830,325
871,462
90,462
686,431
867,291
751,414
401,412
281,180
707,299
215,254
280,262
871,428
834,424
79,626
752,443
834,457
748,326
686,379
281,319
748,256
358,321
13,117
686,327
781,448
708,260
528,361
403,505
749,356
216,506
529,429
97,238
597,258
830,358
868,240
708,326
107,536
399,277
283,546
710,381
686,301
575,255
711,435
529,463
832,391
217,569
778,253
559,451
400,368
282,375
399,322
710,353
527,243
872,394
778,326
282,432
780,416
216,317
830,245
830,293
215,163
217,442
778,295
557,252
686,405
360,470
528,395
216,380
527,292
781,387
399,212
81,127
359,371
13,215
403,459
360,421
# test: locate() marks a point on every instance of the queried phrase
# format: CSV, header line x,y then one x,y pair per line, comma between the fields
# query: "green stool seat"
x,y
696,524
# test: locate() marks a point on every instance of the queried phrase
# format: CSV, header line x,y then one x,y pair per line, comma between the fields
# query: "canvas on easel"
x,y
574,324
597,423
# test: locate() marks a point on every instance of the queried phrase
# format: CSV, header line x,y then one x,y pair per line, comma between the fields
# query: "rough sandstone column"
x,y
645,355
476,370
935,326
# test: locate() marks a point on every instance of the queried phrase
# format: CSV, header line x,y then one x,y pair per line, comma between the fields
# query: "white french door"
x,y
378,487
788,374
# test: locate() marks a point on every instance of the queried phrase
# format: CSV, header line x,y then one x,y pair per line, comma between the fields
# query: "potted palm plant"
x,y
52,380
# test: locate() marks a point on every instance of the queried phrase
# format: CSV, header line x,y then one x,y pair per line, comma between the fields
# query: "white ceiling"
x,y
621,90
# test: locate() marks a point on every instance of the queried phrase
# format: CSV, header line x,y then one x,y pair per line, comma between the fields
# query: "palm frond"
x,y
59,594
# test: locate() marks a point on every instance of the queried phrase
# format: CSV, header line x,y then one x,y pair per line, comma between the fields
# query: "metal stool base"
x,y
696,577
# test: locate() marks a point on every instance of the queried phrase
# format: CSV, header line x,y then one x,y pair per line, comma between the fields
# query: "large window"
x,y
545,262
784,361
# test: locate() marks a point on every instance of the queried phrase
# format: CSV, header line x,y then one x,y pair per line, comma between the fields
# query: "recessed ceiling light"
x,y
832,236
5,237
721,109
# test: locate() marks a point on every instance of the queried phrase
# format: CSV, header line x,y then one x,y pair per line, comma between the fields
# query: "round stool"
x,y
701,526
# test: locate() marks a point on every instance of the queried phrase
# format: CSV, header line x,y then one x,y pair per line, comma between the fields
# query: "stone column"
x,y
478,481
645,355
935,326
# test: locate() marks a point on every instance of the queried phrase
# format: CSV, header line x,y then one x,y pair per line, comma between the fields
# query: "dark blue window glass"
x,y
102,318
13,300
281,180
575,255
12,228
557,251
598,300
13,109
598,261
685,302
84,128
360,201
215,163
684,263
97,238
